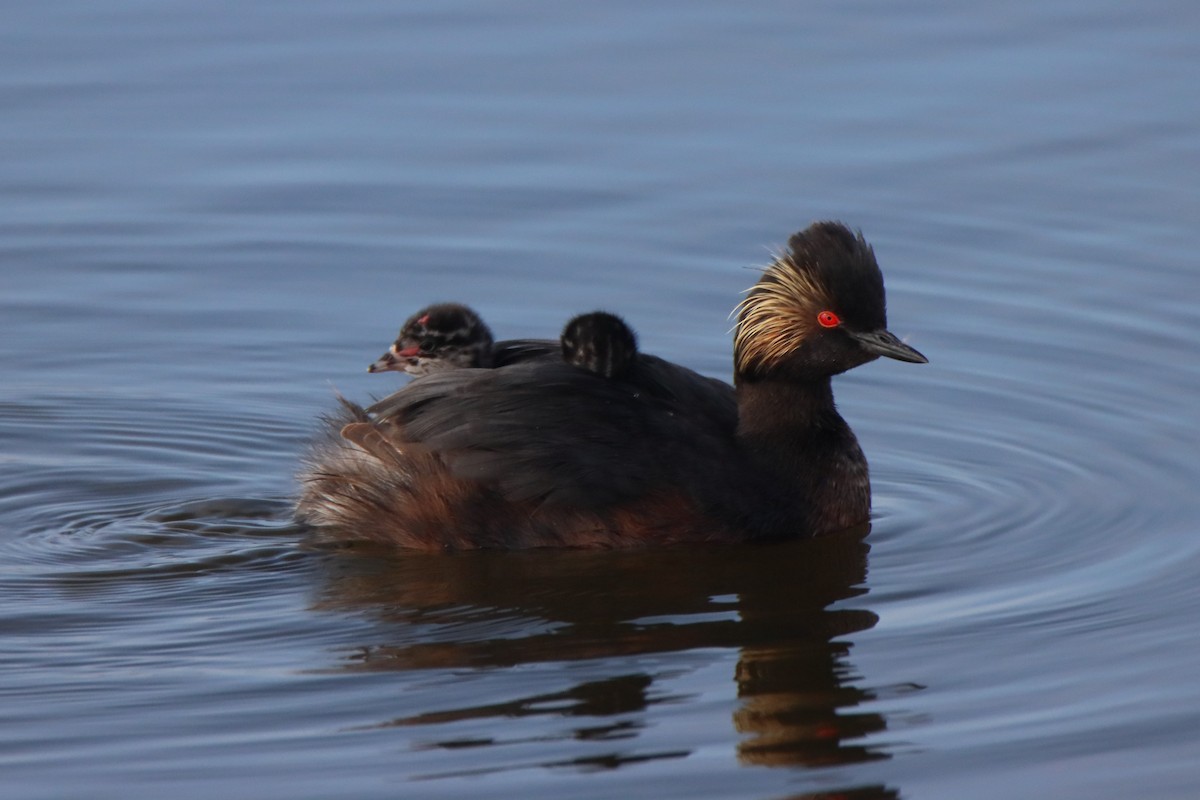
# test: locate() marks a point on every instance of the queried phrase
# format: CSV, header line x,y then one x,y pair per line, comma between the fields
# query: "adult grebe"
x,y
541,453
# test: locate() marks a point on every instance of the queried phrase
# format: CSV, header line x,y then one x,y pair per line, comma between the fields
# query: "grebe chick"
x,y
543,454
454,336
441,336
599,342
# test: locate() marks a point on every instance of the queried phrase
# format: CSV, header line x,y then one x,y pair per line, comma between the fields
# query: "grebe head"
x,y
818,310
442,336
599,342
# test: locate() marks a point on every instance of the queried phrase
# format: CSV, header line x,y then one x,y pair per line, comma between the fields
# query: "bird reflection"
x,y
769,604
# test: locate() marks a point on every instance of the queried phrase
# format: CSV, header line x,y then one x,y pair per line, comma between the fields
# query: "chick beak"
x,y
885,343
394,360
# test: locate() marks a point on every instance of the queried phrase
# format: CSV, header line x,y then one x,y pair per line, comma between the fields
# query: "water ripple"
x,y
117,490
1006,494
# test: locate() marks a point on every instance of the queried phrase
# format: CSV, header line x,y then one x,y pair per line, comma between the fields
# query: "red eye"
x,y
828,319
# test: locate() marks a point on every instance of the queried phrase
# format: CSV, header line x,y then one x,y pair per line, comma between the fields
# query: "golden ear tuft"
x,y
776,315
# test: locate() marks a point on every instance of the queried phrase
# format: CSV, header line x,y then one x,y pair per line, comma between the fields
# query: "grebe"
x,y
541,453
599,342
452,336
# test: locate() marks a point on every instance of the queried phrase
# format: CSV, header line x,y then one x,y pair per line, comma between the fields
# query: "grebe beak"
x,y
394,360
386,363
886,343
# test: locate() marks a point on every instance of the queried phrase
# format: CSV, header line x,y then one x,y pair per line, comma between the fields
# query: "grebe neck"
x,y
792,432
784,408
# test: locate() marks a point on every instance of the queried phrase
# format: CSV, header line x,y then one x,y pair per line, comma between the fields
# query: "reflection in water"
x,y
770,603
624,694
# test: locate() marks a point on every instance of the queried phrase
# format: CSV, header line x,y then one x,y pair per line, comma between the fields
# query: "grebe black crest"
x,y
628,451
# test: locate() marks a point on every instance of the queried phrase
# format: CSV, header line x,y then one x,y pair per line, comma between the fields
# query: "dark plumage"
x,y
447,336
542,453
453,336
599,342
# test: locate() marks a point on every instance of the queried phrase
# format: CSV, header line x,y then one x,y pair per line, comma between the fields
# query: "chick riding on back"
x,y
541,453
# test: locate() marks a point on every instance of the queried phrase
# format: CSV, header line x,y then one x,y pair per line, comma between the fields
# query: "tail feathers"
x,y
366,436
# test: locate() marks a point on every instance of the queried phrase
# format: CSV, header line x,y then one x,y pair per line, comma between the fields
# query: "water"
x,y
211,213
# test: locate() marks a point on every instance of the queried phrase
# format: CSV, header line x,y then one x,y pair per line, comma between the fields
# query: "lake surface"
x,y
213,215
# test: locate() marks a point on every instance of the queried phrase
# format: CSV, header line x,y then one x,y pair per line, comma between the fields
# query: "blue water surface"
x,y
213,215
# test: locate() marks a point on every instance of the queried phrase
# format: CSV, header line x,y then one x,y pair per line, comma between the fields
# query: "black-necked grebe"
x,y
541,453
